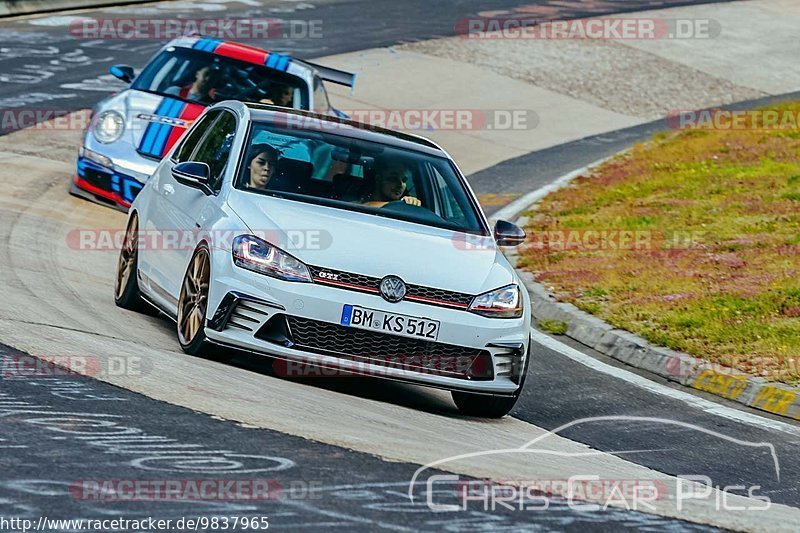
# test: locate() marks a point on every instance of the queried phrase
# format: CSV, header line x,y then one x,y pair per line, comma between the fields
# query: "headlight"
x,y
259,256
108,127
505,302
100,159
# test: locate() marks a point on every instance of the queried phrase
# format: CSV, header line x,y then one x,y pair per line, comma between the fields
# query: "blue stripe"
x,y
283,64
174,111
272,60
209,45
206,45
152,130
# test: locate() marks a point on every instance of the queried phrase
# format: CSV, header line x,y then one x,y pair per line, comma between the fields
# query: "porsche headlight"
x,y
259,256
108,127
505,302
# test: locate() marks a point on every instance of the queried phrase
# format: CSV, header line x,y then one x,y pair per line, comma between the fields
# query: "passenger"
x,y
261,164
390,184
279,94
203,89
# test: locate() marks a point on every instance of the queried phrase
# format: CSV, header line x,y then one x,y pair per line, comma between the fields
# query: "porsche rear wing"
x,y
334,75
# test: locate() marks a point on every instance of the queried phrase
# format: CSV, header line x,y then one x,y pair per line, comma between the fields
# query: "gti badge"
x,y
393,289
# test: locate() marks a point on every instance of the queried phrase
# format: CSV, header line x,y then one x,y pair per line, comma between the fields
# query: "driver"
x,y
390,184
202,89
262,161
279,94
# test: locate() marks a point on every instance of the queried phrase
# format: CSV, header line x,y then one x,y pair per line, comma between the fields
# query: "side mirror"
x,y
193,174
122,72
508,234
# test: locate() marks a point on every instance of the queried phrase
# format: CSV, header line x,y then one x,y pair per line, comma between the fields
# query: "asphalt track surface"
x,y
559,389
63,432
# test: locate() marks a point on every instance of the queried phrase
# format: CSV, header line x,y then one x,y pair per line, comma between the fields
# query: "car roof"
x,y
242,52
343,126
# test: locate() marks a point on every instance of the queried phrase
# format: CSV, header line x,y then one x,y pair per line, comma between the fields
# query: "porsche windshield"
x,y
356,175
206,78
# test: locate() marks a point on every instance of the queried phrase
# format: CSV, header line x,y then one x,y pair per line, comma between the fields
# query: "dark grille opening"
x,y
97,178
383,349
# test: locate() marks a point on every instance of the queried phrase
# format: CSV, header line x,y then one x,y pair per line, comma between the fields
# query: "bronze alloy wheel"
x,y
193,300
126,282
126,265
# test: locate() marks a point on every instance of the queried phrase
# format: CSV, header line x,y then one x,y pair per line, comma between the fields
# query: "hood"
x,y
153,123
375,246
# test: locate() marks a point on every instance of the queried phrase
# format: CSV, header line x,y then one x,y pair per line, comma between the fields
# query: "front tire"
x,y
126,285
193,304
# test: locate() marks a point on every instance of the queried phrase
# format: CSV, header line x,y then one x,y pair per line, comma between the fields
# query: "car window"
x,y
205,78
184,151
215,148
321,103
353,174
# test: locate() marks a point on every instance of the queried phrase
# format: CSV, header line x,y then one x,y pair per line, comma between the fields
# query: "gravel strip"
x,y
606,73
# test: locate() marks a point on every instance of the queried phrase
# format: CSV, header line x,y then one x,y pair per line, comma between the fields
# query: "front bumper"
x,y
115,185
472,354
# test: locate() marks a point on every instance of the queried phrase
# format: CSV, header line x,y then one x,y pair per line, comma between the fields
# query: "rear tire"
x,y
126,285
486,405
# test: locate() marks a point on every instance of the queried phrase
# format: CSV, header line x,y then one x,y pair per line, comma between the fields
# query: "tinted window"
x,y
184,152
205,78
215,148
317,166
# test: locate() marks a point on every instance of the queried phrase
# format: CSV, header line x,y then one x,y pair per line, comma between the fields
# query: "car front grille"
x,y
370,284
382,349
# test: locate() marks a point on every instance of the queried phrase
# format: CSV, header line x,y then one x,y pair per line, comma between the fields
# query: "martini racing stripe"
x,y
242,53
278,61
207,45
188,116
154,140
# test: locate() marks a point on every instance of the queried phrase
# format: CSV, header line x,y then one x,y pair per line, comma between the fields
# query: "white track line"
x,y
657,388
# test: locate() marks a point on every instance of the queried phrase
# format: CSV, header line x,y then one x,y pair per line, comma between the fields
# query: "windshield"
x,y
206,78
356,175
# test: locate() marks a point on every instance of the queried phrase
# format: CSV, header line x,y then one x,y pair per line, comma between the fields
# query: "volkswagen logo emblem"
x,y
393,289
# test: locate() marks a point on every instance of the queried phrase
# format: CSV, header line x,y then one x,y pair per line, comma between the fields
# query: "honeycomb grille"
x,y
362,283
390,350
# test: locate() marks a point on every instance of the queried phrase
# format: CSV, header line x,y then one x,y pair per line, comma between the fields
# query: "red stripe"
x,y
435,301
190,113
323,281
85,185
242,52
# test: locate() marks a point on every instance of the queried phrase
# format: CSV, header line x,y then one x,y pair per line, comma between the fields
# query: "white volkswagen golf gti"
x,y
326,243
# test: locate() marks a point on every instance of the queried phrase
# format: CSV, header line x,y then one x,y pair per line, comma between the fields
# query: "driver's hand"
x,y
412,201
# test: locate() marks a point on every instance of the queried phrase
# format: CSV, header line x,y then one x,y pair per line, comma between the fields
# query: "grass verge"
x,y
691,241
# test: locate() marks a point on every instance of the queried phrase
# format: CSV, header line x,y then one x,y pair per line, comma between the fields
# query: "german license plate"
x,y
408,326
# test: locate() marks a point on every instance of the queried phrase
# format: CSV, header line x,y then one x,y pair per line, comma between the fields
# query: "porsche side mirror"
x,y
508,234
122,72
